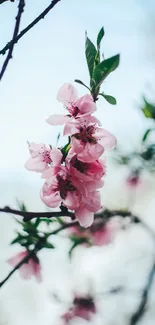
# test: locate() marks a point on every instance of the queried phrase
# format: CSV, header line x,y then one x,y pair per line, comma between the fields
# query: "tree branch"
x,y
30,26
2,1
15,33
144,299
31,215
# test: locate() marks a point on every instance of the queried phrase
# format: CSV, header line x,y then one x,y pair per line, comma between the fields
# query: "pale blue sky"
x,y
53,53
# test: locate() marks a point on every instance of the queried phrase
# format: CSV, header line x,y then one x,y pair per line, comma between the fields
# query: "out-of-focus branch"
x,y
30,26
23,261
104,214
144,299
15,33
37,248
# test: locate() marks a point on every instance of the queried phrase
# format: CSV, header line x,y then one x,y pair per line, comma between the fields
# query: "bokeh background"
x,y
49,55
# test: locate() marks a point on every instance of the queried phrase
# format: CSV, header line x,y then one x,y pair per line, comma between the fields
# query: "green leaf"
x,y
37,222
110,99
105,68
90,52
21,205
146,134
16,240
81,83
99,37
76,243
149,153
49,245
148,109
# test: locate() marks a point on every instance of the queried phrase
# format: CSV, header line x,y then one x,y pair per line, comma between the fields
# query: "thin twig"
x,y
30,26
37,248
144,299
15,33
23,261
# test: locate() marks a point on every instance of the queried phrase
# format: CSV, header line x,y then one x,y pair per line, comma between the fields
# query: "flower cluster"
x,y
74,176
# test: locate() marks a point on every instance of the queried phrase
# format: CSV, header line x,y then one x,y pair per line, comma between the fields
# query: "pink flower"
x,y
76,107
133,180
88,141
42,157
86,171
105,234
62,188
28,269
83,307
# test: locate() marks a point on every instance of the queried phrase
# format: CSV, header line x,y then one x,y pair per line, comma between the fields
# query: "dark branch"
x,y
30,26
31,215
15,33
104,214
144,299
2,1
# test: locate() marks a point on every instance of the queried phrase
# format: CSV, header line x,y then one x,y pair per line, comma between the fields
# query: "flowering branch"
x,y
37,248
104,214
30,26
15,33
23,261
144,299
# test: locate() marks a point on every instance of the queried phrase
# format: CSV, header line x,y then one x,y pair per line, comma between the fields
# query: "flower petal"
x,y
105,138
67,94
90,152
57,119
84,216
56,156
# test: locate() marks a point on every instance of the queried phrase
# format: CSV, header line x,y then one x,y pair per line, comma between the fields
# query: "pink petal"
x,y
84,216
72,200
70,127
93,201
67,94
86,105
91,185
13,261
76,145
51,171
90,152
105,138
56,156
26,271
35,164
58,119
53,200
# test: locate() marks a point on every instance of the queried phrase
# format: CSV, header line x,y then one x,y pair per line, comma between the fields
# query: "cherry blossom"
x,y
62,188
42,157
83,307
89,141
76,107
28,269
85,171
